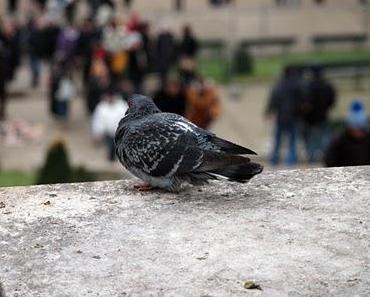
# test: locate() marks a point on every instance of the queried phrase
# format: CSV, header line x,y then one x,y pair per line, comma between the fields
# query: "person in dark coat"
x,y
2,84
148,48
98,82
35,49
189,44
12,6
10,38
165,53
137,65
285,100
54,80
188,49
89,36
352,146
50,33
320,98
171,98
70,10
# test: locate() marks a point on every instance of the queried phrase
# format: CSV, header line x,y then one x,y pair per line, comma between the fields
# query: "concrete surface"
x,y
293,233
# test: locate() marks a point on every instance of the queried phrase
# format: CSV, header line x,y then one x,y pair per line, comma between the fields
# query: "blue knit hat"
x,y
356,115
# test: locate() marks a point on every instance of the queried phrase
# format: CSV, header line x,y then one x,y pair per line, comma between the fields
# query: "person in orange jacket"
x,y
203,104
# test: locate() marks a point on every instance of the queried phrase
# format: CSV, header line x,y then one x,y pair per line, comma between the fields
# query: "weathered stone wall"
x,y
292,233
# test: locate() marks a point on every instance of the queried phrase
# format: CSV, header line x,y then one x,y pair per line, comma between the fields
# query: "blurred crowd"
x,y
104,58
300,103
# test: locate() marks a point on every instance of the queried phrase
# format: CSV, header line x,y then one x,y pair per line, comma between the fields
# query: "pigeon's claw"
x,y
144,187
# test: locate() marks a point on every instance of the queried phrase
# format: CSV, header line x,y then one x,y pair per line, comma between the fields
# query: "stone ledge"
x,y
295,233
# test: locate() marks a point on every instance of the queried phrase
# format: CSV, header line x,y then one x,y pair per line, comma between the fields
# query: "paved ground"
x,y
293,233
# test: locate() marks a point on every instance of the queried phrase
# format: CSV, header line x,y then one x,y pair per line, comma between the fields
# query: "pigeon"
x,y
167,151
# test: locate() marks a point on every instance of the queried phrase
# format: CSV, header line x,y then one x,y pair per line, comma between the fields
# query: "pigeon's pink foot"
x,y
144,187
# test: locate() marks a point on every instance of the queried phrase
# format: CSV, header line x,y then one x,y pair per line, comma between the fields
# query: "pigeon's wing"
x,y
162,148
207,140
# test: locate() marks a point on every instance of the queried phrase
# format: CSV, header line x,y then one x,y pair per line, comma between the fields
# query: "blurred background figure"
x,y
188,49
64,93
10,40
2,83
284,104
115,43
105,119
137,63
125,88
35,50
66,45
165,52
171,97
203,105
12,6
88,39
98,80
320,97
127,3
352,146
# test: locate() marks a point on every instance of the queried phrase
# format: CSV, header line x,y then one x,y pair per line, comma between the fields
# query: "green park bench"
x,y
283,42
357,70
213,47
321,40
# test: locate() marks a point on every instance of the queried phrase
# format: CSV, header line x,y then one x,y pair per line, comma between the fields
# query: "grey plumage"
x,y
166,150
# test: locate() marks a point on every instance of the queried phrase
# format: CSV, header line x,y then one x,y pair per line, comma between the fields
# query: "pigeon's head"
x,y
141,105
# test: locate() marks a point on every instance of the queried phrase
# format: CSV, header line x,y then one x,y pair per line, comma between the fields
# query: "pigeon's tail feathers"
x,y
231,148
197,178
233,167
239,172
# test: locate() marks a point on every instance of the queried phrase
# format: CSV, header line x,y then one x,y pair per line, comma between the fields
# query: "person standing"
x,y
88,38
284,103
2,84
98,82
320,97
65,92
171,98
203,104
12,6
105,120
137,65
352,146
165,53
66,46
10,39
188,49
35,49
